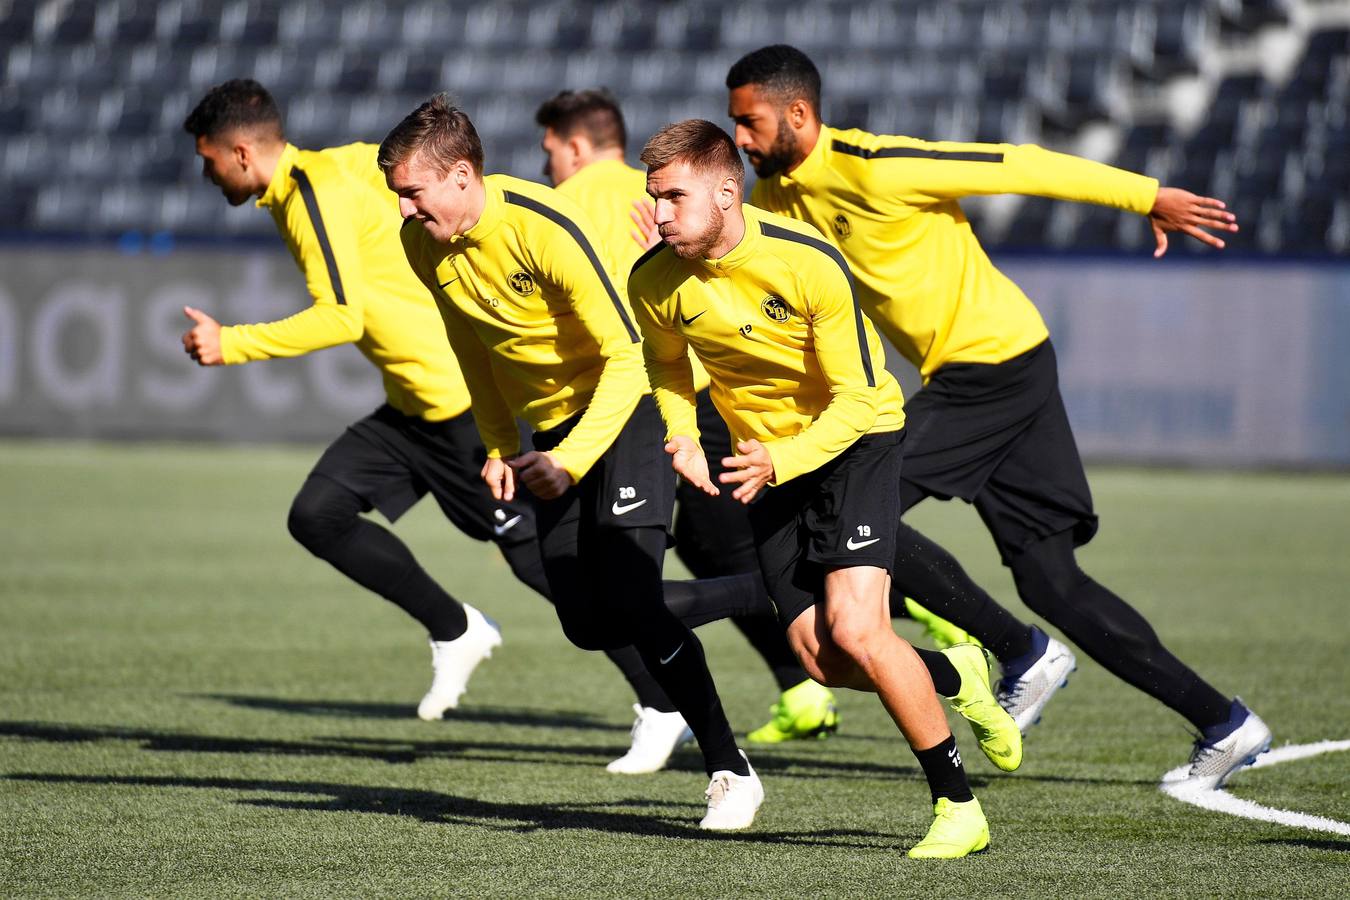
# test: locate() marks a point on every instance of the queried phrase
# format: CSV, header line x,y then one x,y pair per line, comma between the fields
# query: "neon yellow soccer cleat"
x,y
805,710
941,632
998,734
958,829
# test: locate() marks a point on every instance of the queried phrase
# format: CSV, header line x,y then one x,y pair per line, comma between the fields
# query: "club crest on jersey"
x,y
522,283
775,308
842,226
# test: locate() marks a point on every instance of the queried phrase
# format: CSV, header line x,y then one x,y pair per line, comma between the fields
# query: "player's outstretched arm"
x,y
1178,210
202,340
689,462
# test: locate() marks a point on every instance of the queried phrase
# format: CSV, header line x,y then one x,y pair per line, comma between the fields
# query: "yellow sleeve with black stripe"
x,y
665,354
319,238
492,415
841,340
921,172
572,263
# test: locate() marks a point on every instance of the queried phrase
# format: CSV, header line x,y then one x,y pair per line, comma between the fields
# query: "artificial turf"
x,y
191,705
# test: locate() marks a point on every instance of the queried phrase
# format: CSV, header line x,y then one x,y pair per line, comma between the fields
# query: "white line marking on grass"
x,y
1224,802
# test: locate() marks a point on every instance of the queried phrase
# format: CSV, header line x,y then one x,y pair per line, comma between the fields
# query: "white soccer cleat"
x,y
733,800
656,735
454,661
1025,697
1212,763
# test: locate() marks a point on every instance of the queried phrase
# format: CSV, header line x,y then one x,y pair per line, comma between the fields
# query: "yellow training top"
x,y
341,223
533,314
794,363
890,203
606,190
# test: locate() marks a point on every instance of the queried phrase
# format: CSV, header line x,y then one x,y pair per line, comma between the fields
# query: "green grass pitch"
x,y
191,706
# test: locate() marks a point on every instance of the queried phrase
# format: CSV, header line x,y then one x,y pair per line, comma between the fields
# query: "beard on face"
x,y
704,239
780,155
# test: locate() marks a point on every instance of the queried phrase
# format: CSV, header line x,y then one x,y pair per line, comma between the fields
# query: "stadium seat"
x,y
79,75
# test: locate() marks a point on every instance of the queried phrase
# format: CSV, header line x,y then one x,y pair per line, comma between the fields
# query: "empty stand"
x,y
96,94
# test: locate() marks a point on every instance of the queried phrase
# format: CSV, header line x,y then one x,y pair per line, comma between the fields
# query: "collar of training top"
x,y
815,160
494,210
744,249
277,186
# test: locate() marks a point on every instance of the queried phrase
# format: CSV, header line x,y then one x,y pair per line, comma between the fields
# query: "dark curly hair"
x,y
784,73
238,103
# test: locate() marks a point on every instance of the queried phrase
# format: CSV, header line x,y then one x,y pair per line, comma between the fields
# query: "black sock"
x,y
767,637
933,577
325,518
634,670
629,591
944,771
419,595
681,669
946,680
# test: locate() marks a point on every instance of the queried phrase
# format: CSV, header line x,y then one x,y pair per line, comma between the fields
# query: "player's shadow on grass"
x,y
398,751
488,715
447,809
1311,844
403,751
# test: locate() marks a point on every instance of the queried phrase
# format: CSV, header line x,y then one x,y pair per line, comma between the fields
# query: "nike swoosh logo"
x,y
690,320
861,544
506,526
672,655
451,281
619,510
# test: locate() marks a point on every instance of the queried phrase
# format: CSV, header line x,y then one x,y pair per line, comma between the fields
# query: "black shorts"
x,y
712,534
630,486
835,517
391,461
997,436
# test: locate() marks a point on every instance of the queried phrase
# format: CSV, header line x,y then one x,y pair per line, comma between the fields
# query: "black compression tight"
x,y
930,575
1110,630
615,597
326,519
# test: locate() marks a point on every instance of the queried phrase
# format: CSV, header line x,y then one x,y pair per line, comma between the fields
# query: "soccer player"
x,y
989,425
542,332
584,142
341,223
768,306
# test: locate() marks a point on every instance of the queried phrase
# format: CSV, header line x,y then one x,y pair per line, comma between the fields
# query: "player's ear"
x,y
798,113
462,173
242,151
728,192
579,146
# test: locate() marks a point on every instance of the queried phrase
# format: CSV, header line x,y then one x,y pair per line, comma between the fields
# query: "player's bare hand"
x,y
500,479
689,462
647,233
752,468
542,474
1178,210
202,341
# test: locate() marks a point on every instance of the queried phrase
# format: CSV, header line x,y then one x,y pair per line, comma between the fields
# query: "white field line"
x,y
1224,802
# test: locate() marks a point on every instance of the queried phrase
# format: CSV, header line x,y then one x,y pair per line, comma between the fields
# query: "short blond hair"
x,y
699,143
437,129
